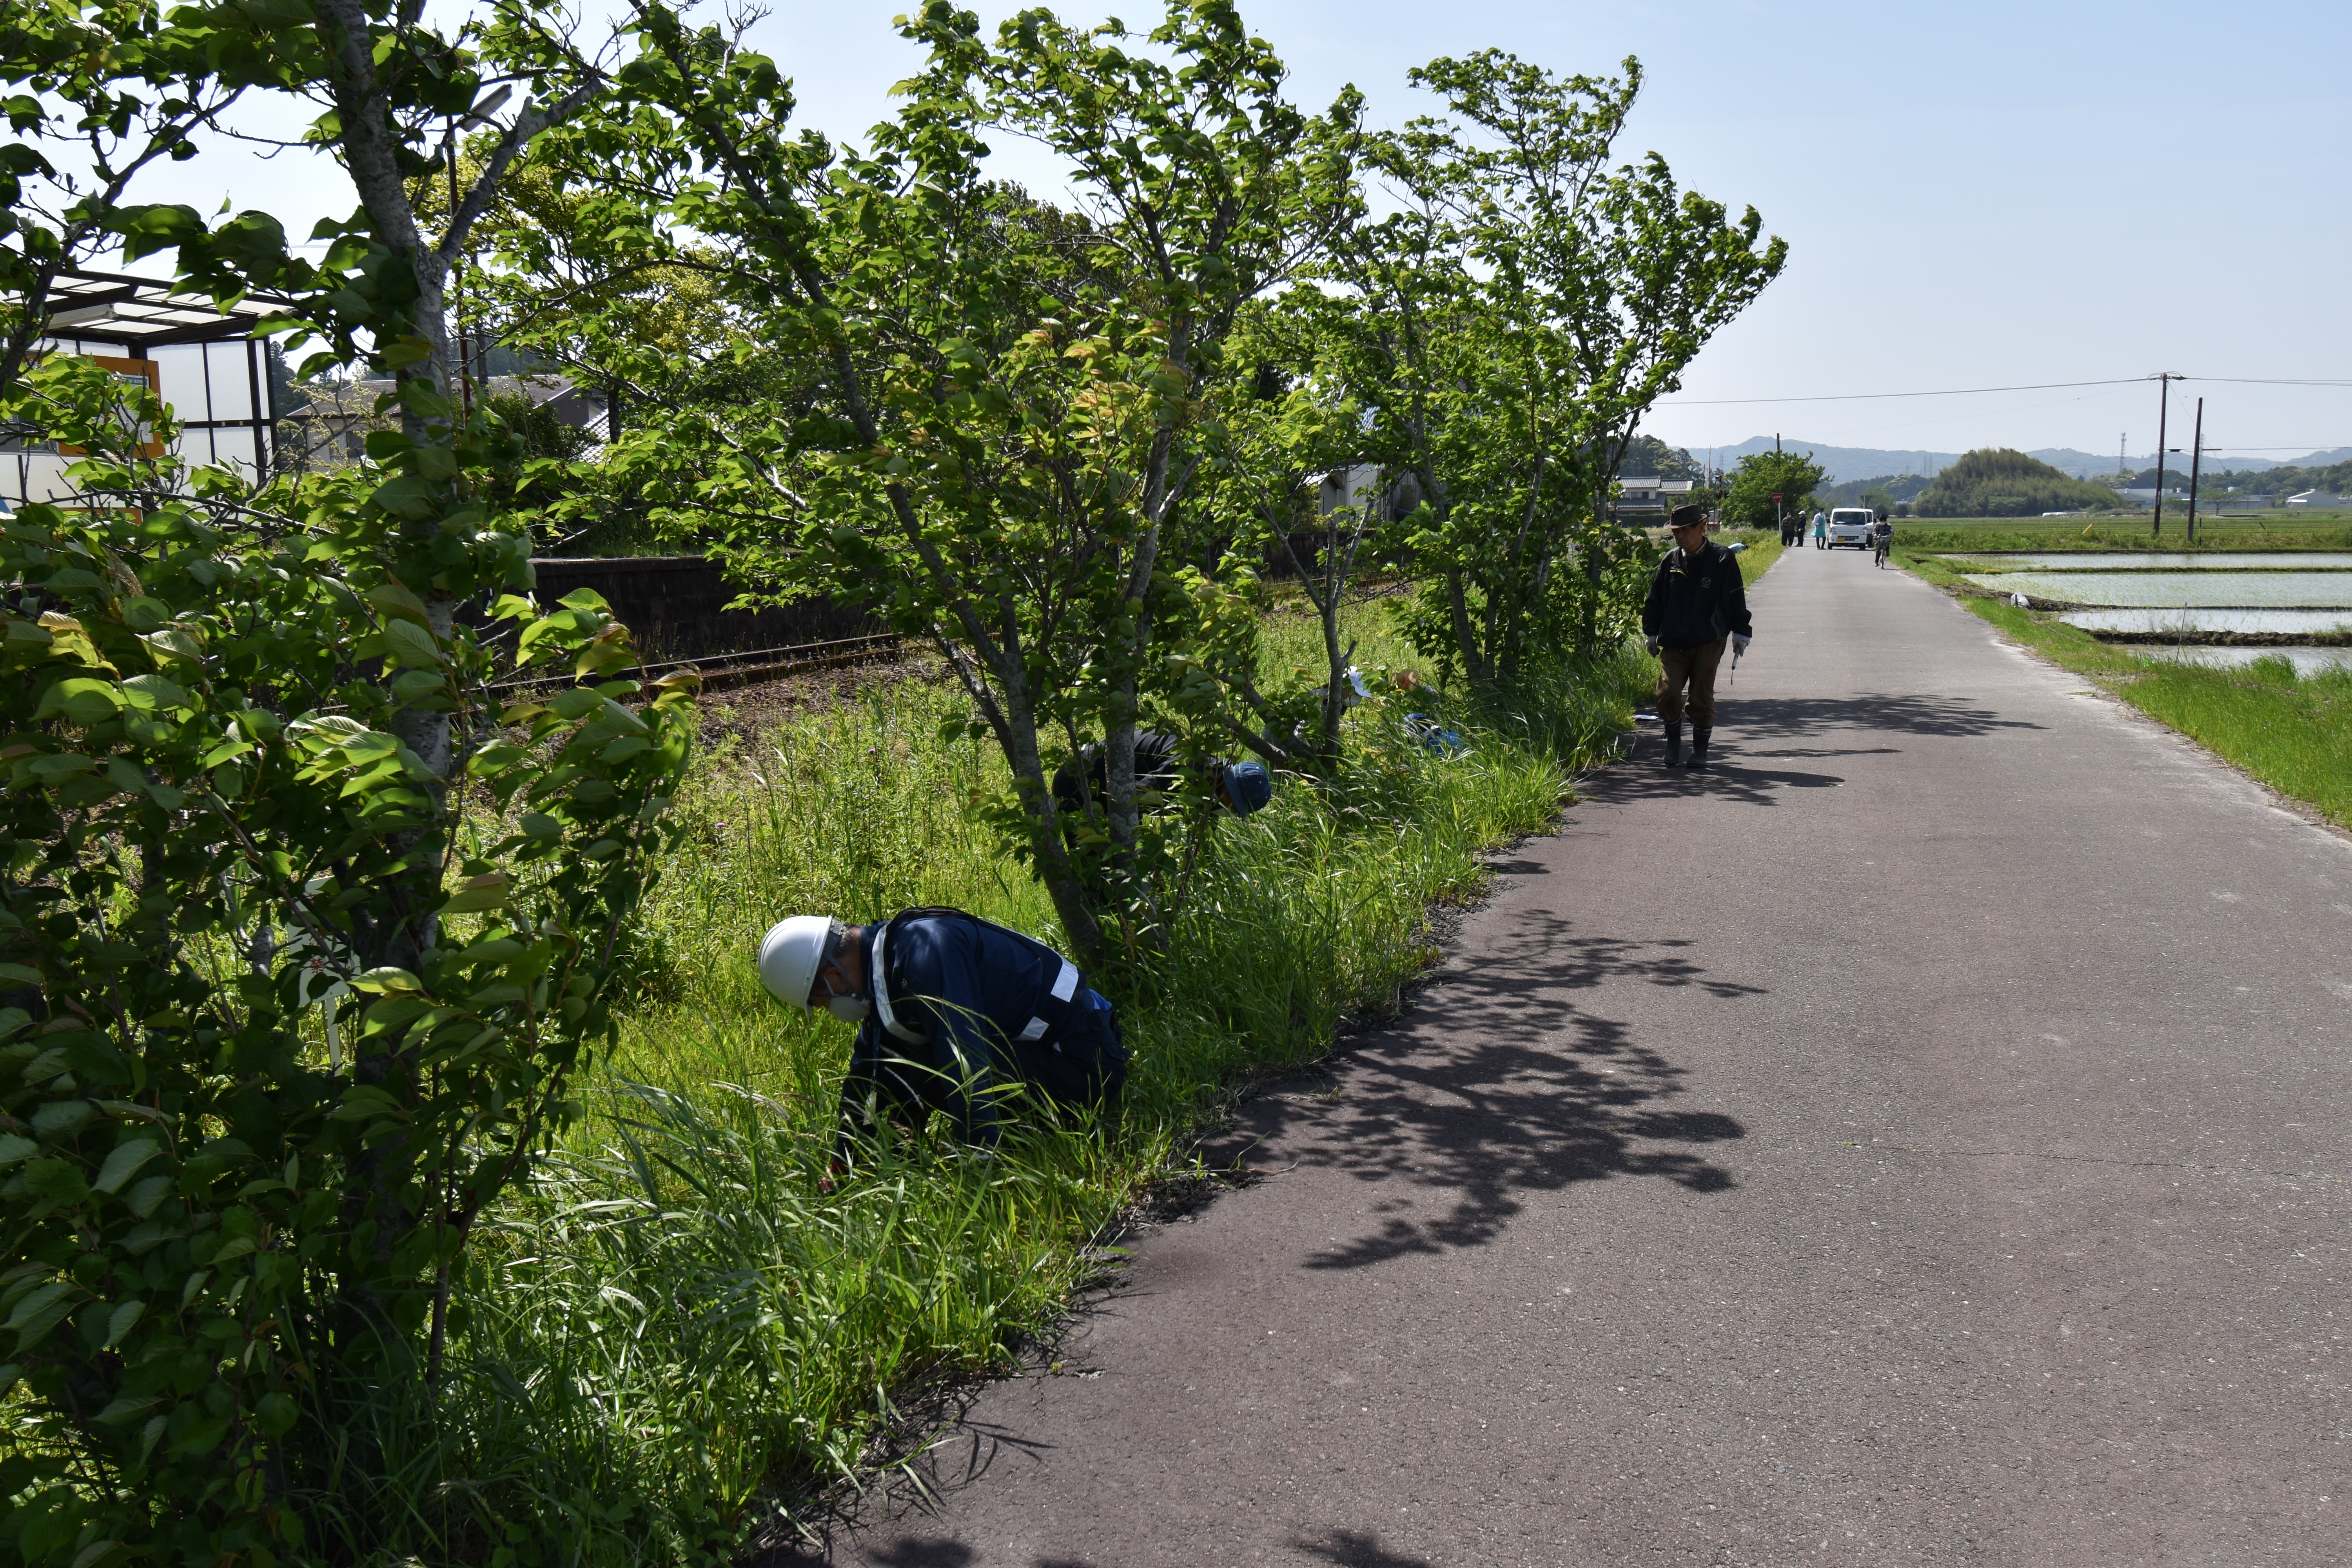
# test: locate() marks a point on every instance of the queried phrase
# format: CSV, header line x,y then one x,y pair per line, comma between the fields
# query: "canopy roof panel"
x,y
143,313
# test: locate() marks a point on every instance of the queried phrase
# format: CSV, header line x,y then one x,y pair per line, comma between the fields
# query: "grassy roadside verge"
x,y
2292,731
1763,549
677,1332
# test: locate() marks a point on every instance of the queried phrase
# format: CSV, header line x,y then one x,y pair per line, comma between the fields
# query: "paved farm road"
x,y
1924,1140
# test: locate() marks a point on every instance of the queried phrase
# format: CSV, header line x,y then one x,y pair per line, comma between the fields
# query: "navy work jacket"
x,y
989,1007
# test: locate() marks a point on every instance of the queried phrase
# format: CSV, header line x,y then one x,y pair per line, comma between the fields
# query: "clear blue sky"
x,y
1973,195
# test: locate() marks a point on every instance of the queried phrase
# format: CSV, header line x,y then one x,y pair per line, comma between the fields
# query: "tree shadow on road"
x,y
1774,729
1356,1548
1760,720
1500,1083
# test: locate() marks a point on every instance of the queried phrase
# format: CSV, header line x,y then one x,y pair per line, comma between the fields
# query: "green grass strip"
x,y
677,1330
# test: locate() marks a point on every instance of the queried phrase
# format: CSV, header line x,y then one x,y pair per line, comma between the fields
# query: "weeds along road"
x,y
1921,1141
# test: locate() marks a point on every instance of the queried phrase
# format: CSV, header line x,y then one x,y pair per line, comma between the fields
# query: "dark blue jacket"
x,y
1696,599
989,1009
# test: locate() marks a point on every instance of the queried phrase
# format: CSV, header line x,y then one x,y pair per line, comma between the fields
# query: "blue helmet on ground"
x,y
1245,786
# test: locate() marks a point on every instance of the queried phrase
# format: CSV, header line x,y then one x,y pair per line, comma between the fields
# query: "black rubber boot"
x,y
1698,750
1674,745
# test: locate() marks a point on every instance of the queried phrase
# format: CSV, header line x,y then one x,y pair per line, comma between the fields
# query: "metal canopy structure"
x,y
139,315
204,362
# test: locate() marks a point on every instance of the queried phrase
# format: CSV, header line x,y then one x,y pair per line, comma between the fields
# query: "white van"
x,y
1852,525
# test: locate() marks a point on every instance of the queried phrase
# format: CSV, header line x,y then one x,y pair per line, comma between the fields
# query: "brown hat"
x,y
1686,517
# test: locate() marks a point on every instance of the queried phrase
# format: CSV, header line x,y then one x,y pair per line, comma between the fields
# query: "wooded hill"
x,y
1998,482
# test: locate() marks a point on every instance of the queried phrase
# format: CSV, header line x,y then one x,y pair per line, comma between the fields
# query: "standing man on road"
x,y
1697,604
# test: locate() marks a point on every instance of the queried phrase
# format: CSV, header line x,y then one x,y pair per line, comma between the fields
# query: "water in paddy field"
x,y
2154,561
2187,622
2237,590
2307,661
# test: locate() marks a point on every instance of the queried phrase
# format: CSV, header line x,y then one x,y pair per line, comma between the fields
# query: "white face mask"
x,y
849,1009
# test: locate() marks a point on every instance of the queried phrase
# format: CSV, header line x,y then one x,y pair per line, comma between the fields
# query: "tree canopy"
x,y
1748,495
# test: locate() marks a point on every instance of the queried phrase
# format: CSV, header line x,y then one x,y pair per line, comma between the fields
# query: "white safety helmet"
x,y
790,954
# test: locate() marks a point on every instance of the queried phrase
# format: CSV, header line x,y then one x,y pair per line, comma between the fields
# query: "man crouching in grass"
x,y
953,1013
1696,603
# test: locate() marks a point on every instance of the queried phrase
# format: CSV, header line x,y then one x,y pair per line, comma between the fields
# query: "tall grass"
x,y
2292,731
678,1332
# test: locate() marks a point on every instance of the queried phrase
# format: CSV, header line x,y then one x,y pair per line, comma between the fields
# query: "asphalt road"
x,y
1923,1139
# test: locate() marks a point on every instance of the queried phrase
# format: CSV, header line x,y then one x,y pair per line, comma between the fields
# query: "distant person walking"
x,y
1697,604
1820,531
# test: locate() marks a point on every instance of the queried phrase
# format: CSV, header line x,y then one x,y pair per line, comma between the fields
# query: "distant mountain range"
x,y
1849,463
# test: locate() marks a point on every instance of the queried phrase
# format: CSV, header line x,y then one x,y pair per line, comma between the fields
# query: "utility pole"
x,y
2196,461
2164,380
2122,446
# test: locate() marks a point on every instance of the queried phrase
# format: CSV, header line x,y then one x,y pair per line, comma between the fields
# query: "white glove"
x,y
1652,644
1739,644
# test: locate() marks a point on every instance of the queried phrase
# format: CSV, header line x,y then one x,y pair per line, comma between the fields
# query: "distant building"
x,y
1650,493
2245,506
331,430
2318,500
204,362
1359,485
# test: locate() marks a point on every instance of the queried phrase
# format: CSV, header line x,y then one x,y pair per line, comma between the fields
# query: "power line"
x,y
1972,390
1869,396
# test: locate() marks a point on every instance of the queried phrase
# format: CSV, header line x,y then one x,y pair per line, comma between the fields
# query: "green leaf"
x,y
80,700
60,1116
365,1102
495,758
144,1196
39,1312
490,891
386,980
18,974
121,1164
171,642
150,691
395,599
412,644
120,1321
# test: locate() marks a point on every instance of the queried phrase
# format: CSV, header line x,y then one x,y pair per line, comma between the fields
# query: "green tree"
x,y
290,1016
985,413
1281,434
1748,493
1513,320
1648,455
